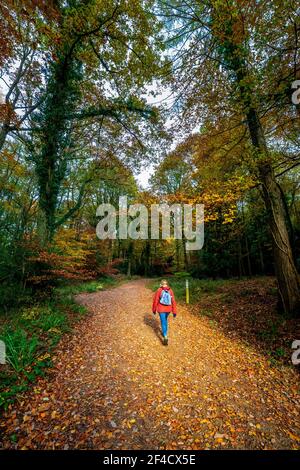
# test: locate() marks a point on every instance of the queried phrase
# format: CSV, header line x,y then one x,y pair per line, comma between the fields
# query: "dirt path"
x,y
115,386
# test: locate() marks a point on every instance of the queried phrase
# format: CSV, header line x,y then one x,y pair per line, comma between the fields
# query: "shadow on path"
x,y
150,320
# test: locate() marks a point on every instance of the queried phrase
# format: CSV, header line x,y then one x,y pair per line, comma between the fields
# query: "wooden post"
x,y
187,291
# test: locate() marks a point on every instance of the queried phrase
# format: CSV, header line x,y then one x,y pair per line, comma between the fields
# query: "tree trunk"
x,y
261,258
110,256
247,246
129,257
288,221
240,259
3,134
285,269
248,256
129,268
186,260
234,56
177,246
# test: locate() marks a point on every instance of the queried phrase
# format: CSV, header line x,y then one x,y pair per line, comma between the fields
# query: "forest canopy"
x,y
200,93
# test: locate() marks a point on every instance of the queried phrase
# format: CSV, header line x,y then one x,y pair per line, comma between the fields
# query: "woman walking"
x,y
164,303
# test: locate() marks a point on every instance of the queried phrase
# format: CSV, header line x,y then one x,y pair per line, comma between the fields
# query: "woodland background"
x,y
92,93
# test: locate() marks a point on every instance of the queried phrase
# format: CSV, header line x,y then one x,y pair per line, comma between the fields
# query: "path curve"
x,y
115,386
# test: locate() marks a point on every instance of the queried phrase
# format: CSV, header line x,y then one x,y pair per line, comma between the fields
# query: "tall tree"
x,y
227,56
87,82
24,32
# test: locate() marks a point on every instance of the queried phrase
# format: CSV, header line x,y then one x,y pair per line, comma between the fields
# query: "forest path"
x,y
115,386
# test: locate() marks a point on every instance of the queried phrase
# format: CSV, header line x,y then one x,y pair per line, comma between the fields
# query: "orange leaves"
x,y
7,114
26,418
294,437
68,258
197,172
114,386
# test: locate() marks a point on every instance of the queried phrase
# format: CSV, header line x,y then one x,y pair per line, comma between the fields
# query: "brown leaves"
x,y
114,386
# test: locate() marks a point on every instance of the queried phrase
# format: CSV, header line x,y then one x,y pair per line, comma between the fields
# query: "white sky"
x,y
163,97
143,177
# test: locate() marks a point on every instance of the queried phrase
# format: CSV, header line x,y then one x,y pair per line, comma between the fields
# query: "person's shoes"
x,y
165,341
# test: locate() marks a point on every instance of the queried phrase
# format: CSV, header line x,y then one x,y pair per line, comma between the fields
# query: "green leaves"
x,y
20,349
89,80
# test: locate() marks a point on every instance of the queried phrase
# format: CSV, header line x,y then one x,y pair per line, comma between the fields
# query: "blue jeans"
x,y
164,323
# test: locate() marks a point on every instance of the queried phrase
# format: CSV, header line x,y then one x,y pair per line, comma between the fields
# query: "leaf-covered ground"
x,y
246,309
115,386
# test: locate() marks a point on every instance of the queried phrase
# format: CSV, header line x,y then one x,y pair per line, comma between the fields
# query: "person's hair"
x,y
163,282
